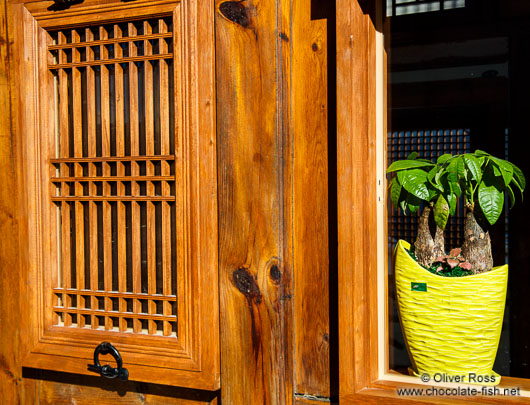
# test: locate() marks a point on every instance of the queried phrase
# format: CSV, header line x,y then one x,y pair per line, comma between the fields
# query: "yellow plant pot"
x,y
451,325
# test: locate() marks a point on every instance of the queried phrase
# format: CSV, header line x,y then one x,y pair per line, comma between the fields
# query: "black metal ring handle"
x,y
107,370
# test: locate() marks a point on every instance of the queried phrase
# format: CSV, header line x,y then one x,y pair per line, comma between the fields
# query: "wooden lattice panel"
x,y
116,128
114,176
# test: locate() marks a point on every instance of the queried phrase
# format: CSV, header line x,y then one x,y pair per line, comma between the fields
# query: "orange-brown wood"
x,y
356,103
120,151
150,149
165,171
10,372
254,279
116,40
64,389
92,172
114,198
78,171
110,61
308,400
310,200
95,10
112,158
120,178
190,357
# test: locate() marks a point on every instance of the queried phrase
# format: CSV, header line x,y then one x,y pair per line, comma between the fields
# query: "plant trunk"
x,y
430,241
477,245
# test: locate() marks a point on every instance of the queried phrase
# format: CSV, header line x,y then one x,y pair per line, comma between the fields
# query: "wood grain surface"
x,y
310,198
254,281
356,180
10,373
272,111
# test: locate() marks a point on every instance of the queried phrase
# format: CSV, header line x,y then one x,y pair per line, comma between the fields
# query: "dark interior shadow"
x,y
321,9
60,5
119,387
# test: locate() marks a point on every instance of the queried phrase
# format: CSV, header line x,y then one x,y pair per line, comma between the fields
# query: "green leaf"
x,y
479,152
511,196
473,164
505,168
414,182
432,173
403,205
433,176
407,164
433,192
496,171
452,200
441,212
461,168
457,190
412,156
395,192
452,171
491,200
519,176
444,158
518,186
413,204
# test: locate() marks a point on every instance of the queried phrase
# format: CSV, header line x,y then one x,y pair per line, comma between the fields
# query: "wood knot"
x,y
235,12
284,37
276,274
246,284
314,47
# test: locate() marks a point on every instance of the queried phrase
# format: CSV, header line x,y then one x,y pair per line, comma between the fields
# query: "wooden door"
x,y
115,127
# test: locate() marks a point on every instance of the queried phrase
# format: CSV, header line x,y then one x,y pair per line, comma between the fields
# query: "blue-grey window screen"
x,y
404,7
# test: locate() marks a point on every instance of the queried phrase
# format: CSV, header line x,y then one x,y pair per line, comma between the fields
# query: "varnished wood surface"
x,y
10,373
272,151
310,199
193,359
254,281
356,196
61,388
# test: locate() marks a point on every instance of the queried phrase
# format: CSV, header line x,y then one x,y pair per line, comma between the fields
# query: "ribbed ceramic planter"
x,y
451,325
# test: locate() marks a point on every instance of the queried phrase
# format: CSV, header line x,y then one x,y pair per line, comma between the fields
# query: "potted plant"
x,y
451,306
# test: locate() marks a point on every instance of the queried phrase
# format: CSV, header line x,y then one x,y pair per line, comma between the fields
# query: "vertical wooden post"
x,y
251,75
9,369
357,194
311,242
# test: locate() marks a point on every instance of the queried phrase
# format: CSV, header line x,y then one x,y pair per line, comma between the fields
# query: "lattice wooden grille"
x,y
430,144
113,178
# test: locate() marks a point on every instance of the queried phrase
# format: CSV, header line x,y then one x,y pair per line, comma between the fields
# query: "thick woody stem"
x,y
430,241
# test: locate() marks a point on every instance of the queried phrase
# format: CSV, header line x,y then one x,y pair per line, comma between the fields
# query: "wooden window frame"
x,y
364,371
194,361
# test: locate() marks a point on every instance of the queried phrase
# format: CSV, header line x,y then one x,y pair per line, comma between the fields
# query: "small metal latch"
x,y
107,370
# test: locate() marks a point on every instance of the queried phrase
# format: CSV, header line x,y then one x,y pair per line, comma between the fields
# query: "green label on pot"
x,y
418,286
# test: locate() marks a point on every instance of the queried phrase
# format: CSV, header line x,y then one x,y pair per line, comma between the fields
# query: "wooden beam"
x,y
251,62
356,185
311,241
9,371
13,388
